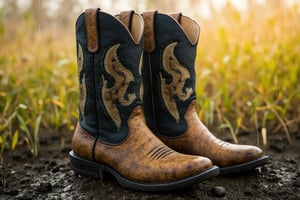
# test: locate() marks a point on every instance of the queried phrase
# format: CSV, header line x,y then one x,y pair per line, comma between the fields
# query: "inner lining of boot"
x,y
135,27
191,28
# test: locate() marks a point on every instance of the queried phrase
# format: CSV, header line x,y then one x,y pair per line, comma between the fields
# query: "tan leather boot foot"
x,y
198,140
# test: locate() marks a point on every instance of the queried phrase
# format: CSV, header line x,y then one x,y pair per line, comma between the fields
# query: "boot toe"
x,y
250,153
247,158
195,165
181,166
204,163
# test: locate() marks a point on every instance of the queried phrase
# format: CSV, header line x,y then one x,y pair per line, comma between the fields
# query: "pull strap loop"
x,y
91,29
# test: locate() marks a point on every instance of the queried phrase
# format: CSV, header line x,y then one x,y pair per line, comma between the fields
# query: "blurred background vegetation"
x,y
248,65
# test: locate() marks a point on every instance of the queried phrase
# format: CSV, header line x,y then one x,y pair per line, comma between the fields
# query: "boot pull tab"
x,y
149,37
126,18
177,16
91,29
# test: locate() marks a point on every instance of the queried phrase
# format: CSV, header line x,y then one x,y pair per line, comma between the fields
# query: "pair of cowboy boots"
x,y
138,118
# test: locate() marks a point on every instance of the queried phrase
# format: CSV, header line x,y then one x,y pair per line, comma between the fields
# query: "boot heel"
x,y
85,167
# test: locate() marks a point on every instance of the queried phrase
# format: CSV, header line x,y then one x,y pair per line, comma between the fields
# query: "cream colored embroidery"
x,y
122,78
176,87
82,86
142,83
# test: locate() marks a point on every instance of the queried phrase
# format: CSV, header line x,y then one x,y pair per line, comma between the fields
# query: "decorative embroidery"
x,y
142,83
122,77
82,86
176,87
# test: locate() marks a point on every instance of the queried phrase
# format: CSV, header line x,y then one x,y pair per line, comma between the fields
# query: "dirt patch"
x,y
49,175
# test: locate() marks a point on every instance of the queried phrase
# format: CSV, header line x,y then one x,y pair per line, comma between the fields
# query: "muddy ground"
x,y
49,176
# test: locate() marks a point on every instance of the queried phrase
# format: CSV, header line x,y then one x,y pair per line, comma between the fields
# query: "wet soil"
x,y
49,176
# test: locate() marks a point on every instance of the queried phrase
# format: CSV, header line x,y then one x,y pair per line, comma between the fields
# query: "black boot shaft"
x,y
109,73
168,71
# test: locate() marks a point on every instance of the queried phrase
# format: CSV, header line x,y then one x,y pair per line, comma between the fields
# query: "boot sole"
x,y
96,170
245,166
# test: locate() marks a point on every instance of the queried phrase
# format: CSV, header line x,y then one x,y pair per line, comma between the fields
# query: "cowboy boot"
x,y
169,97
112,135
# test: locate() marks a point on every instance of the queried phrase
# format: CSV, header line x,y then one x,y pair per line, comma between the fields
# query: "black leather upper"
x,y
167,31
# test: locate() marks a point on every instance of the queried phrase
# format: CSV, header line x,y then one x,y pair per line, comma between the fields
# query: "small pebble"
x,y
218,191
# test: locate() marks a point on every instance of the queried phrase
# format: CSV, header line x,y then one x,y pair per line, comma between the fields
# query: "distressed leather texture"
x,y
169,97
142,156
198,140
91,29
149,43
